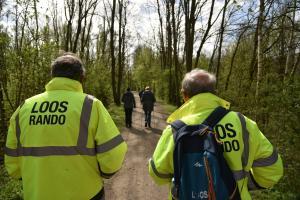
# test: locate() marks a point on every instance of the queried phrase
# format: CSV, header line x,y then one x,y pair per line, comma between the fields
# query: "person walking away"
x,y
63,142
148,101
253,160
129,104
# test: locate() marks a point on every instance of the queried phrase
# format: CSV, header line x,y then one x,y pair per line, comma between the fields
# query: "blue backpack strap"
x,y
176,126
215,116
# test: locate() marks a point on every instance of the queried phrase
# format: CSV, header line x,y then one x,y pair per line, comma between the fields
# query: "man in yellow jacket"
x,y
63,142
254,162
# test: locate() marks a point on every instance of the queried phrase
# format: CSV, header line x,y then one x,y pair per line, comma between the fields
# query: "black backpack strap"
x,y
215,116
178,124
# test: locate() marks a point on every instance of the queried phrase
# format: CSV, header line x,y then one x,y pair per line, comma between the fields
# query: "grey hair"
x,y
198,81
68,65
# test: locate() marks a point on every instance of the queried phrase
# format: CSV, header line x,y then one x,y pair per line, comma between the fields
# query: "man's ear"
x,y
185,96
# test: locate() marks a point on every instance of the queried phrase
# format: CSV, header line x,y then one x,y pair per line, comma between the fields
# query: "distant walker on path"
x,y
129,104
148,101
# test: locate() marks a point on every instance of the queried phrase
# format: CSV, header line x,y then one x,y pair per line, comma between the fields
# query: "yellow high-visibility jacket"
x,y
247,151
61,143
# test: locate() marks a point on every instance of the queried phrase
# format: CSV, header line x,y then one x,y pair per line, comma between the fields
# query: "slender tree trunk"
x,y
16,26
291,48
203,40
253,62
211,60
260,56
161,38
233,57
120,57
79,25
36,23
55,24
112,54
295,66
69,17
3,125
222,29
175,55
190,19
169,50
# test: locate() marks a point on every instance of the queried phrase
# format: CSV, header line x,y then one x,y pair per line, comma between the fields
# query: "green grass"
x,y
168,108
117,114
273,194
10,189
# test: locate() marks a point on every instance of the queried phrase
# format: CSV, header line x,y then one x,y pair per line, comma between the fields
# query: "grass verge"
x,y
117,114
10,189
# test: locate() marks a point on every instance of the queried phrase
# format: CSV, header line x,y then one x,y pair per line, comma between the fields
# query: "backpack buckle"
x,y
174,190
204,131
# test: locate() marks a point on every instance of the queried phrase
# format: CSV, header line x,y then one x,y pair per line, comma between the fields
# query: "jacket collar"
x,y
60,83
197,104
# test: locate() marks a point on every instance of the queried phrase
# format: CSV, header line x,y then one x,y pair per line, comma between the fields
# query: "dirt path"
x,y
133,182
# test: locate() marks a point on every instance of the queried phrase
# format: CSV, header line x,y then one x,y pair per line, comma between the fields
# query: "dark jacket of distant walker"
x,y
148,100
128,100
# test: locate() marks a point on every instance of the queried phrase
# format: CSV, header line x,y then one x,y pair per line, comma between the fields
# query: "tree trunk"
x,y
79,25
55,25
203,40
161,38
190,20
120,57
112,54
3,125
291,48
211,60
169,50
233,57
71,13
260,56
222,28
175,55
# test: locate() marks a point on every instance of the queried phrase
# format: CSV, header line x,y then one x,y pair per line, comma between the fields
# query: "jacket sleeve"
x,y
133,99
161,164
111,148
12,161
267,167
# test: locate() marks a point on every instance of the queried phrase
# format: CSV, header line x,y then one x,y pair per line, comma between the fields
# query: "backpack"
x,y
200,170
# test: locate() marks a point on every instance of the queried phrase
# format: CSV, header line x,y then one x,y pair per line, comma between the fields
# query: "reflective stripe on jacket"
x,y
61,142
248,152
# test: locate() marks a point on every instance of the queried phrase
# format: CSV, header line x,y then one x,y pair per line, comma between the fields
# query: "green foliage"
x,y
147,70
118,115
10,189
277,112
274,194
98,82
168,108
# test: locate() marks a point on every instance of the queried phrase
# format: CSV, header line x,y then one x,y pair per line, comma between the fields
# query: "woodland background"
x,y
253,47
